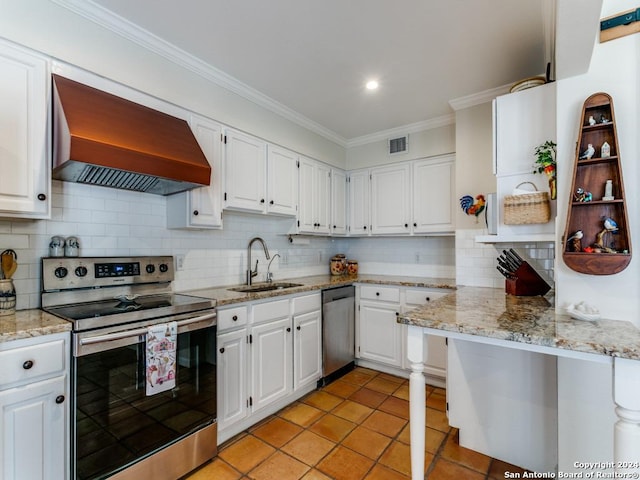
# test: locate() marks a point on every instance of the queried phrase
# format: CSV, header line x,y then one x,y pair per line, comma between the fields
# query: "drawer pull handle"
x,y
234,318
60,399
27,365
222,350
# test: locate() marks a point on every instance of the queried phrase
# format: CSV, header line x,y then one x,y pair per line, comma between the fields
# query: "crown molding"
x,y
437,122
478,98
114,23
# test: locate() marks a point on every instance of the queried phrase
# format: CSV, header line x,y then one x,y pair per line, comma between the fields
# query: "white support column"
x,y
417,399
626,436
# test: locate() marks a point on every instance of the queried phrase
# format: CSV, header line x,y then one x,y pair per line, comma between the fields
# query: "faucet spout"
x,y
252,273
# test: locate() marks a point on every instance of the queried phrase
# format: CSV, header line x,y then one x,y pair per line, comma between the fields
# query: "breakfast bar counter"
x,y
489,316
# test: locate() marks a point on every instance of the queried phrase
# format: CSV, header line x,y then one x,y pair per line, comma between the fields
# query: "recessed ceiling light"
x,y
372,85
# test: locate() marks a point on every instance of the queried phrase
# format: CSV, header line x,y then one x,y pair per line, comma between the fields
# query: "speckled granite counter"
x,y
224,296
30,323
489,312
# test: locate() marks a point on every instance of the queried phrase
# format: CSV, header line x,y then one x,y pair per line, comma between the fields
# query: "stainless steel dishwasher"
x,y
338,332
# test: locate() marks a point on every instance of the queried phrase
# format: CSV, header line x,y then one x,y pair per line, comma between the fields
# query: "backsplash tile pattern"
x,y
114,222
476,263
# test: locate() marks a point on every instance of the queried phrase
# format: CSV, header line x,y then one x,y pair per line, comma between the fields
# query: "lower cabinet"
x,y
34,409
381,340
269,354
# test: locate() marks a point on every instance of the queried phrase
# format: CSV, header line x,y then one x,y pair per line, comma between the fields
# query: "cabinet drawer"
x,y
25,363
384,294
270,310
422,296
232,317
305,304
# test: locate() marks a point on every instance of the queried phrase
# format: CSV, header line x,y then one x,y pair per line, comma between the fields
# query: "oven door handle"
x,y
109,337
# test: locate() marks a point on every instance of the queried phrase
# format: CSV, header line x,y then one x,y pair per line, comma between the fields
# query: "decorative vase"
x,y
7,297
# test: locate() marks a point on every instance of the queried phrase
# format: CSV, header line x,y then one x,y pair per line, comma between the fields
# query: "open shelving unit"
x,y
601,252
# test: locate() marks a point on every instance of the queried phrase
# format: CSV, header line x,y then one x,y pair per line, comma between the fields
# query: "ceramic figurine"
x,y
608,191
470,208
603,119
588,153
576,241
582,196
610,225
592,121
605,150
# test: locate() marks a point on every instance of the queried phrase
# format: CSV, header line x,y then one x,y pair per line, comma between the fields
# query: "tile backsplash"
x,y
111,222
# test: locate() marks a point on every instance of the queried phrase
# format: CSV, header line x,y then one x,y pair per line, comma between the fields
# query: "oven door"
x,y
116,424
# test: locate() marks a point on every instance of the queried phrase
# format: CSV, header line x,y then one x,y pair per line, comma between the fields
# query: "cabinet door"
x,y
306,192
338,202
245,172
25,181
282,181
33,422
271,362
390,199
232,378
307,364
359,202
380,334
201,207
433,192
323,198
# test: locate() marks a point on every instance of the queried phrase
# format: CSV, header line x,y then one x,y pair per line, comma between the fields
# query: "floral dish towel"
x,y
161,357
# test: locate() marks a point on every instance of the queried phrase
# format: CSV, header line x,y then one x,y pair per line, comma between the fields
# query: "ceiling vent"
x,y
399,145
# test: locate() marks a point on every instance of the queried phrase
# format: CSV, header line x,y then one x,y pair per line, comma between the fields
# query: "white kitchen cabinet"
x,y
359,202
314,197
201,207
433,195
390,199
338,202
25,158
233,403
34,408
307,343
378,332
245,172
282,181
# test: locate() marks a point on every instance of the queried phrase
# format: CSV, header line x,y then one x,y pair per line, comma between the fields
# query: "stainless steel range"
x,y
143,366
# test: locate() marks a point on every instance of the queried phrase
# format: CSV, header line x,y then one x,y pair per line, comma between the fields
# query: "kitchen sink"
x,y
265,287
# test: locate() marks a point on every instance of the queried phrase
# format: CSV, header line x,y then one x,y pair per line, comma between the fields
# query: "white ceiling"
x,y
314,57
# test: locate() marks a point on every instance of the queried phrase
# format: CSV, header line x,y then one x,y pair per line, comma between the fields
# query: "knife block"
x,y
527,282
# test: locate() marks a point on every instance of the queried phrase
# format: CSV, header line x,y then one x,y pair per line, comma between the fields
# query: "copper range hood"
x,y
102,139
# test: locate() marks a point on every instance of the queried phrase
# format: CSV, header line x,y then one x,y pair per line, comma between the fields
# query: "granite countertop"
x,y
490,312
224,296
30,323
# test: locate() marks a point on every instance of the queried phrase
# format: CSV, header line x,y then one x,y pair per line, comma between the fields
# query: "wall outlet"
x,y
179,262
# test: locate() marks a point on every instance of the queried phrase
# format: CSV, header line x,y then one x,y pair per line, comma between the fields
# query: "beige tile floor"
x,y
354,428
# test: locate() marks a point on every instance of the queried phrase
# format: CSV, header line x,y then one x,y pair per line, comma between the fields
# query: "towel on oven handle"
x,y
161,357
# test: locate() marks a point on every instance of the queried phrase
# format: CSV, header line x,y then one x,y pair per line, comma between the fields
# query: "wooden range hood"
x,y
102,139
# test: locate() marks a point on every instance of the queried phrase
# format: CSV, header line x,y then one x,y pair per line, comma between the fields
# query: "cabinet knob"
x,y
334,227
222,350
42,197
298,327
406,225
428,299
27,365
415,224
60,399
397,314
288,329
234,318
262,200
196,212
270,202
377,294
365,227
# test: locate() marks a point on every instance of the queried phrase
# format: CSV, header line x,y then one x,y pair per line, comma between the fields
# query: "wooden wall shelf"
x,y
599,251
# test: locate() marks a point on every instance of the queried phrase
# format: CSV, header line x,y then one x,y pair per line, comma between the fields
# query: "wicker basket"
x,y
527,208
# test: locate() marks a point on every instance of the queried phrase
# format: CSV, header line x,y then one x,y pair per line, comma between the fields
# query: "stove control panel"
x,y
68,273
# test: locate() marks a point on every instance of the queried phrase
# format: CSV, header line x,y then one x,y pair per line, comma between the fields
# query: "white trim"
x,y
478,98
107,19
402,130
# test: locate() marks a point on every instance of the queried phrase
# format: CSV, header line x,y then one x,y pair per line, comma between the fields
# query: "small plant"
x,y
546,163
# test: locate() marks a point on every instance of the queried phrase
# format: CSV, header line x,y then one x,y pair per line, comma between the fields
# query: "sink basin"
x,y
265,287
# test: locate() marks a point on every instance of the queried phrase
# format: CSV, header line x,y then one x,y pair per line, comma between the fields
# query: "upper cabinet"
x,y
315,197
201,207
259,178
433,191
338,202
522,121
25,161
391,199
359,203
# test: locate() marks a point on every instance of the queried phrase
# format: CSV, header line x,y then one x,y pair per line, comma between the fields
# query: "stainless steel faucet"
x,y
269,272
254,272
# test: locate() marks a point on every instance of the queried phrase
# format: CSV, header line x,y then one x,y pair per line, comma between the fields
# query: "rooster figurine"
x,y
471,208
